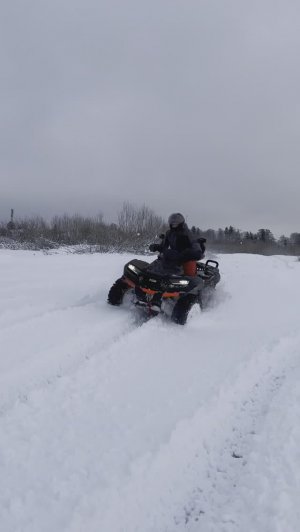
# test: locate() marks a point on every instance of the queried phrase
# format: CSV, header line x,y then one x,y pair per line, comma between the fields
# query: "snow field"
x,y
110,425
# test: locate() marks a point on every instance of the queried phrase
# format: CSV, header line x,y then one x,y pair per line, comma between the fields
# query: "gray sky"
x,y
185,105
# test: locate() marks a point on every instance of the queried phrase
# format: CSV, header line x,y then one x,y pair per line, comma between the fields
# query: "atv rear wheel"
x,y
116,293
182,308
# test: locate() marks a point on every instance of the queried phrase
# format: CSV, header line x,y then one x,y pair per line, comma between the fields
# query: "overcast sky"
x,y
185,105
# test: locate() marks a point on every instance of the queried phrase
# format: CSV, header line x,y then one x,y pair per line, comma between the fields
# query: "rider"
x,y
179,247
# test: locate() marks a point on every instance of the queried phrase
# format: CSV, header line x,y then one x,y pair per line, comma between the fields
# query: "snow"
x,y
110,424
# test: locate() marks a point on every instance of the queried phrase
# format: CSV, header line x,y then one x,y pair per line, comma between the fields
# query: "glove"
x,y
154,247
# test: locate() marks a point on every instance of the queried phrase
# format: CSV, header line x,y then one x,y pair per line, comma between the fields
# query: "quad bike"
x,y
172,294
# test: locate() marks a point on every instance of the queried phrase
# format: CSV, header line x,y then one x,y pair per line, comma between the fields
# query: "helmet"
x,y
175,220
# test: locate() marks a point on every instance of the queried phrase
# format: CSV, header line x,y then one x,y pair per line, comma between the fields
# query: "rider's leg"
x,y
190,268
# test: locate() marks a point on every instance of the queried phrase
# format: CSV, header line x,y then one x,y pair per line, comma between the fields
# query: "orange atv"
x,y
172,294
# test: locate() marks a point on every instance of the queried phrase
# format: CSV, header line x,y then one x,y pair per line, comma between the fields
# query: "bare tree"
x,y
142,220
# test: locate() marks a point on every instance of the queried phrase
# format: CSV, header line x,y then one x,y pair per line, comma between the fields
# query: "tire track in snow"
x,y
217,505
39,314
71,359
60,432
205,458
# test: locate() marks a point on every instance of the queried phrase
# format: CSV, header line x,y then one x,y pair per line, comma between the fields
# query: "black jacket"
x,y
180,246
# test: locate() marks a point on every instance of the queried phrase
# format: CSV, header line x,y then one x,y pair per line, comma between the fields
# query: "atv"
x,y
171,294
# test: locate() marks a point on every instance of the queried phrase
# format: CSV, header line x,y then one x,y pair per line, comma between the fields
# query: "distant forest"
x,y
135,229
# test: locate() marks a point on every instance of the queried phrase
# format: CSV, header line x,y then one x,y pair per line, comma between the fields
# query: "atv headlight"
x,y
133,269
181,282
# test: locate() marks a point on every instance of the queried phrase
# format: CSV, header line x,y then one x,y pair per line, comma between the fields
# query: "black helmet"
x,y
176,220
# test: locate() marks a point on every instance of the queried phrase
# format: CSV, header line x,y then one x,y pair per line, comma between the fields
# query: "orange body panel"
x,y
149,291
164,294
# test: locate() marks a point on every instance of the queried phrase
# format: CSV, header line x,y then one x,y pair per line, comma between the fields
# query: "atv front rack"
x,y
136,272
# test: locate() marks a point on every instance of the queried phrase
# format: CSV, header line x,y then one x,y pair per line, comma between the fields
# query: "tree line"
x,y
136,227
232,240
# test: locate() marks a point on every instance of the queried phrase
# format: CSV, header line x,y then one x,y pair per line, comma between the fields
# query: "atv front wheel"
x,y
182,308
116,293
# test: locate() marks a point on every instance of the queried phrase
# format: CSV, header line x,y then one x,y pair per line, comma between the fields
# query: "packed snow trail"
x,y
110,426
48,321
